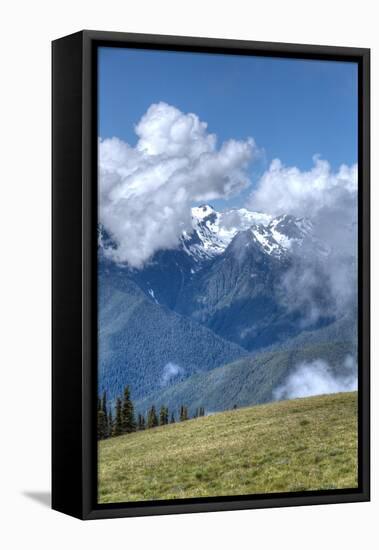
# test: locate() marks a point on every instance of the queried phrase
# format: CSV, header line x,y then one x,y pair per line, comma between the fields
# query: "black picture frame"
x,y
74,253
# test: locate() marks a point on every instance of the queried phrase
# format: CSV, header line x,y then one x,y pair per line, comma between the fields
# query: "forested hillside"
x,y
248,381
148,346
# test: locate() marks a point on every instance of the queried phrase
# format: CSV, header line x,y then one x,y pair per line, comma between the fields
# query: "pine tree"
x,y
128,421
110,423
163,416
104,403
101,425
152,419
183,413
104,408
201,411
117,429
172,420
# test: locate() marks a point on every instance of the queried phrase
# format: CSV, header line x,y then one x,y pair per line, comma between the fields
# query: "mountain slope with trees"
x,y
147,346
248,381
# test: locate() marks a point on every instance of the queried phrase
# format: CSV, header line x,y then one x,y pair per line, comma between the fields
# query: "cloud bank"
x,y
317,378
323,280
146,191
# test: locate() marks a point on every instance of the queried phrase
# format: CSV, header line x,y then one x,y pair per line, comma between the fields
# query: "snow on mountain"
x,y
213,231
266,240
283,234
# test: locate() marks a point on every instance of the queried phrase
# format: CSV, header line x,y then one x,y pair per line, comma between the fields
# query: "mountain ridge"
x,y
212,300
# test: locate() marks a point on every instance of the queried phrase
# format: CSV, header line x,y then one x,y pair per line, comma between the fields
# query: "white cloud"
x,y
329,199
317,378
146,191
170,371
288,190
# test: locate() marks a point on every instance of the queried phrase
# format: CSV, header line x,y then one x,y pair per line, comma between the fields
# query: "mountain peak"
x,y
213,231
203,211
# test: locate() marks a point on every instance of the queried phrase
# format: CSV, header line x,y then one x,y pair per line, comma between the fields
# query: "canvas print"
x,y
227,275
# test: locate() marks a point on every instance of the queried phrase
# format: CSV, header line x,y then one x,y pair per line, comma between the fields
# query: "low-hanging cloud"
x,y
146,191
322,281
318,378
170,372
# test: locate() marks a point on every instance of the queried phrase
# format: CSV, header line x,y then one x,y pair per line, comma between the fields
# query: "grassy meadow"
x,y
296,445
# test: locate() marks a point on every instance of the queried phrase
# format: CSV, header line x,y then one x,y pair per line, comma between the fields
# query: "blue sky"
x,y
292,108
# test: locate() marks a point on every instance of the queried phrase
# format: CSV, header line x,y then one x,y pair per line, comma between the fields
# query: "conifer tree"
x,y
183,413
117,429
152,419
110,423
162,416
104,403
104,408
172,420
101,425
128,421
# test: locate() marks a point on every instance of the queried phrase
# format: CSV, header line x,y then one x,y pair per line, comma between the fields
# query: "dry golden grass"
x,y
296,445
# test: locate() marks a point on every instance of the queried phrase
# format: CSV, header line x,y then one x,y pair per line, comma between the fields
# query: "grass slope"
x,y
296,445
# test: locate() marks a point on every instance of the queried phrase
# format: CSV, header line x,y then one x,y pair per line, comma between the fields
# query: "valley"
x,y
224,317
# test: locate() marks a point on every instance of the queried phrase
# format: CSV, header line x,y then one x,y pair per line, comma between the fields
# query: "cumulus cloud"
x,y
146,191
170,371
318,378
288,190
323,279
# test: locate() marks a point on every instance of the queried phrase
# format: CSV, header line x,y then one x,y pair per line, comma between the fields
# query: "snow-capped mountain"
x,y
228,289
203,270
214,231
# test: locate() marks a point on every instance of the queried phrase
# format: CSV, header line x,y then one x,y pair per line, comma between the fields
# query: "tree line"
x,y
124,420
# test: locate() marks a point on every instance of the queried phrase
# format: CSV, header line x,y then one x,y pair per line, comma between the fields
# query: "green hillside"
x,y
248,381
296,445
137,338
